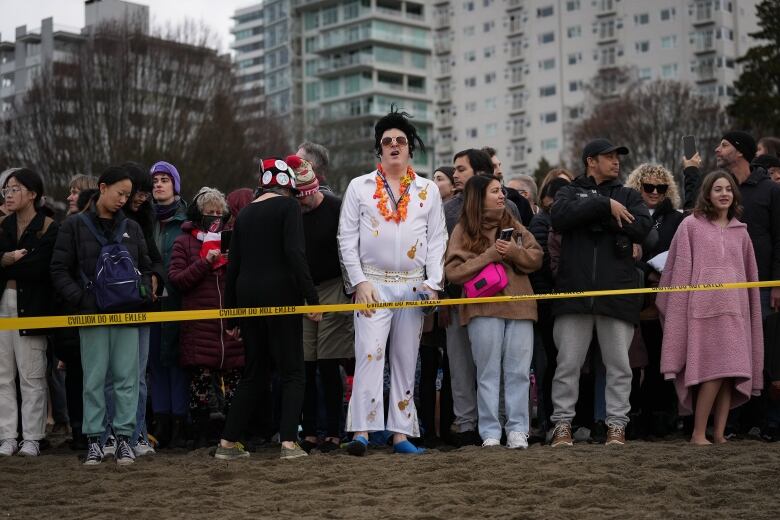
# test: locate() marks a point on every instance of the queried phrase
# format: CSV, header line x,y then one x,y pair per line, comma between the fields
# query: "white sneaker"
x,y
142,448
516,440
29,449
8,447
490,442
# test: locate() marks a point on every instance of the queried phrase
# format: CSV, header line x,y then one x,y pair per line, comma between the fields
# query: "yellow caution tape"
x,y
137,318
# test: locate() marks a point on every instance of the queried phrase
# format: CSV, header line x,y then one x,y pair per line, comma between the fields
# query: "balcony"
x,y
515,26
345,64
443,96
442,46
7,91
442,21
703,15
343,40
607,35
705,74
606,8
704,45
444,120
511,5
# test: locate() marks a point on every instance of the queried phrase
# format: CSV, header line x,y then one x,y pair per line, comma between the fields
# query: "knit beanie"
x,y
169,170
305,181
743,142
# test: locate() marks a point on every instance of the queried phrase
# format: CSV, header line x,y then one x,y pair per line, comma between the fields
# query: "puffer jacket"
x,y
202,343
589,260
76,251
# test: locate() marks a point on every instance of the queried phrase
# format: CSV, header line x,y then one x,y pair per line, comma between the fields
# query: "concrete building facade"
x,y
513,74
249,60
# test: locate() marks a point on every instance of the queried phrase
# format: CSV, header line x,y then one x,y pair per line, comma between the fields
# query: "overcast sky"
x,y
216,13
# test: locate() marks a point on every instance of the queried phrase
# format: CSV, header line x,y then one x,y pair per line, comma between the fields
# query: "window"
x,y
667,14
468,6
575,58
642,47
330,88
470,56
490,77
312,91
547,37
490,104
491,130
414,84
574,86
641,19
549,117
471,133
489,52
547,64
471,106
488,26
468,31
572,5
669,71
544,12
547,91
471,82
575,112
330,16
550,144
669,42
574,32
646,73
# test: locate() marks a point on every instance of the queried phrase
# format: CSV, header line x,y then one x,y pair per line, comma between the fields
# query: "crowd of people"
x,y
602,369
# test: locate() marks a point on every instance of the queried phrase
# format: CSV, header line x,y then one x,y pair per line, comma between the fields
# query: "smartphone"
x,y
424,298
689,146
224,242
506,234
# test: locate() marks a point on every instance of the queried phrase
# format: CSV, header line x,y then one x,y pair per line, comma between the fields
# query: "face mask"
x,y
211,223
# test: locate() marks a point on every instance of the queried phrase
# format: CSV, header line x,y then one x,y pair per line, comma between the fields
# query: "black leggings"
x,y
430,361
333,395
277,340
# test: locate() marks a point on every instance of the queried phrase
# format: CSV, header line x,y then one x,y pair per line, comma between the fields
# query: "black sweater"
x,y
321,228
31,272
267,264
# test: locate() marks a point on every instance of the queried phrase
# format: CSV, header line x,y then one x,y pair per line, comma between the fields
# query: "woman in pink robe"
x,y
713,344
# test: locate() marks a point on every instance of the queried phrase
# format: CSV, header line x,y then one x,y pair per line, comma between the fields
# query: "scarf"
x,y
166,213
211,240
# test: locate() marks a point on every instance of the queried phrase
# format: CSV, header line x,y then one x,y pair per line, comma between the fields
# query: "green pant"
x,y
114,349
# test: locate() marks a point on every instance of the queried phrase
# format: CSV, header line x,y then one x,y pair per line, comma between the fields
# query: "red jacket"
x,y
202,343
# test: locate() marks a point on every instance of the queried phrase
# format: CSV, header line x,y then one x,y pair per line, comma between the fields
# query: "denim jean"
x,y
140,416
497,345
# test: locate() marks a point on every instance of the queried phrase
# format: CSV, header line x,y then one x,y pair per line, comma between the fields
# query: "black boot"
x,y
200,429
162,430
79,440
178,432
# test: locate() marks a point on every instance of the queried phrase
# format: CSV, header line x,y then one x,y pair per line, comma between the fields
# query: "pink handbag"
x,y
488,282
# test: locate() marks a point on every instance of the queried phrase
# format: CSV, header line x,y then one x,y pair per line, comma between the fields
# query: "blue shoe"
x,y
407,447
358,446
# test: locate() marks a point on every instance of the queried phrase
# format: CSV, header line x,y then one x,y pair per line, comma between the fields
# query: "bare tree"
x,y
125,95
651,119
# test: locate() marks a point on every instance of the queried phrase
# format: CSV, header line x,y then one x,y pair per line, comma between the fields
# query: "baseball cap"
x,y
599,147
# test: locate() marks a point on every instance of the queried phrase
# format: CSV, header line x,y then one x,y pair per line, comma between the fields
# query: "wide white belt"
x,y
375,274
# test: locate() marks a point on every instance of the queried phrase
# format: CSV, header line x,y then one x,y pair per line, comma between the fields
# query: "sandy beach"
x,y
640,480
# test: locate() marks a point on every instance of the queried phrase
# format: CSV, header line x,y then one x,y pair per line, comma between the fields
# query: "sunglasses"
x,y
650,188
400,141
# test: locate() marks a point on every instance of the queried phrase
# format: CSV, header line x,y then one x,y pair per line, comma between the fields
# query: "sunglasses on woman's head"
x,y
650,188
400,141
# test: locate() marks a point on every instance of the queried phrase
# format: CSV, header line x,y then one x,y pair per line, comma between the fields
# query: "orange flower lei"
x,y
399,215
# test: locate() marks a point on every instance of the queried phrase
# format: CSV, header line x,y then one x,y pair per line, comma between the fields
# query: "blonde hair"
x,y
646,171
83,182
207,196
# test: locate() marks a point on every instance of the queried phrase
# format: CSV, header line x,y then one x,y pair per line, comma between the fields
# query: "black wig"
x,y
400,121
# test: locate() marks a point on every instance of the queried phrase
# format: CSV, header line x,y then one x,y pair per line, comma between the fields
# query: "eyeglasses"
x,y
400,141
142,195
13,190
650,188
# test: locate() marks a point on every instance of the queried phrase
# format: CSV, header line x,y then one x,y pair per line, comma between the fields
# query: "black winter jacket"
x,y
31,273
542,280
77,250
589,255
666,220
761,205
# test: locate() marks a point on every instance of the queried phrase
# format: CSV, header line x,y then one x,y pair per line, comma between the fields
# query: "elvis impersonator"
x,y
392,237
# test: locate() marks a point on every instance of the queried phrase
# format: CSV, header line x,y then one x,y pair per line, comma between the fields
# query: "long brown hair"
x,y
704,206
473,214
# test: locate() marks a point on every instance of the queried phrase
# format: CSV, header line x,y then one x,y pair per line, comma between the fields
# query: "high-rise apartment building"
x,y
360,57
513,74
249,61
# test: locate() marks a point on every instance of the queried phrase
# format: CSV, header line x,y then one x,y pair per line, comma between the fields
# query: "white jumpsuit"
x,y
397,258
